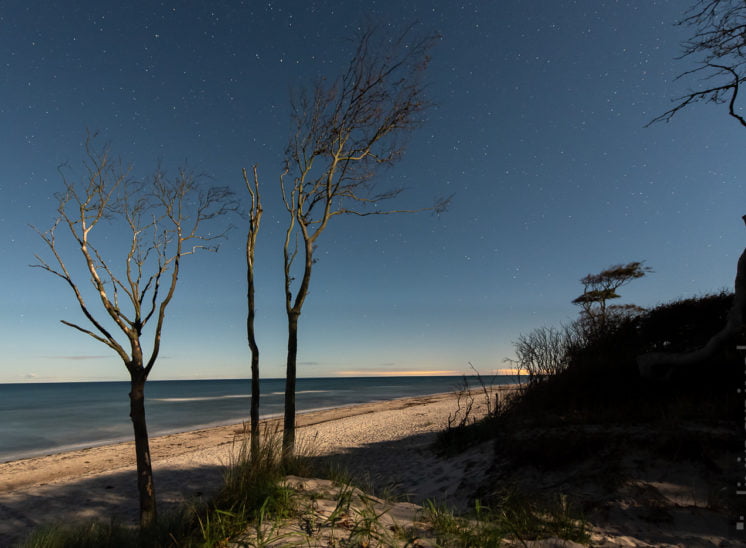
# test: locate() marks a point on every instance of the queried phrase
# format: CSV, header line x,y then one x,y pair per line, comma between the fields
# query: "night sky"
x,y
537,130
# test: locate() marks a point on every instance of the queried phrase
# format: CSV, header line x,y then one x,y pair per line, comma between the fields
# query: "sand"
x,y
388,444
387,440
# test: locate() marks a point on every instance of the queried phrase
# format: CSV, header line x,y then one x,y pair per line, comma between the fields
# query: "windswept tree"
x,y
255,220
158,223
344,131
597,315
717,49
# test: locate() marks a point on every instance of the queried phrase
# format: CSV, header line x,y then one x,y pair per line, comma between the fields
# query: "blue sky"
x,y
537,129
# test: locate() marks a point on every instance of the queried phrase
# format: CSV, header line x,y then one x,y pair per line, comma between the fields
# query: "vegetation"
x,y
163,221
255,221
597,315
258,506
346,131
548,351
716,48
548,426
579,423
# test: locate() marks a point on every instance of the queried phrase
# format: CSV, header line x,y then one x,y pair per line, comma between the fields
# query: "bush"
x,y
598,379
544,351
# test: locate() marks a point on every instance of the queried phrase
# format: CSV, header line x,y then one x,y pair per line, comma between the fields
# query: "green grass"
x,y
516,517
253,494
254,505
112,534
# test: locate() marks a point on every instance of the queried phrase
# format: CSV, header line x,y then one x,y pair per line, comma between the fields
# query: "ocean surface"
x,y
44,418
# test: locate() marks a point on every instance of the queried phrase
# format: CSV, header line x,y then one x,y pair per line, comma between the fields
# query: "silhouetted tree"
x,y
718,44
597,315
543,352
163,222
255,219
345,130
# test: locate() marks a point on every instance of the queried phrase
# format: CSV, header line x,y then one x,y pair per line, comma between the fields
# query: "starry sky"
x,y
537,129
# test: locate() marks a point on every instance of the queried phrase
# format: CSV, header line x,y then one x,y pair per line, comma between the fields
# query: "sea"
x,y
45,418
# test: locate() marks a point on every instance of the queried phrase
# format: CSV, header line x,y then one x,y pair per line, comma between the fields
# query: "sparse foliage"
x,y
345,132
597,315
163,220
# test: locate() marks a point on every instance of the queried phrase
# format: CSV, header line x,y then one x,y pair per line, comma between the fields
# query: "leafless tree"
x,y
718,47
344,131
255,219
163,220
542,352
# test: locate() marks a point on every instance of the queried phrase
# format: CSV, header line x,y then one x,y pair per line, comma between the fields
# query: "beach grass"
x,y
257,505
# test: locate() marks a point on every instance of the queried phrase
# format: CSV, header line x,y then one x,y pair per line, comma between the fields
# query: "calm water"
x,y
38,419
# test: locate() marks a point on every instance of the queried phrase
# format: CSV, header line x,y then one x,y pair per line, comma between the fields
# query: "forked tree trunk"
x,y
288,433
145,484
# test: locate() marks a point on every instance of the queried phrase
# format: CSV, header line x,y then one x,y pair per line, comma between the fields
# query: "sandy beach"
x,y
385,440
388,445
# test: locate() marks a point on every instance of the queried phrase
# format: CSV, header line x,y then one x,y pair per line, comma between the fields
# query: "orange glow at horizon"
x,y
364,373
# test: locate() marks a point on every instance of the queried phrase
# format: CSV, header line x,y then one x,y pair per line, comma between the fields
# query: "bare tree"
x,y
344,132
718,45
163,220
255,219
543,352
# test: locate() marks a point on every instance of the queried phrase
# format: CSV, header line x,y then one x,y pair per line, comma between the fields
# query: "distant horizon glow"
x,y
342,374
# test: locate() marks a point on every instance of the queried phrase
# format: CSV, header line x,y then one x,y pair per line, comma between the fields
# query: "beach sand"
x,y
387,441
388,445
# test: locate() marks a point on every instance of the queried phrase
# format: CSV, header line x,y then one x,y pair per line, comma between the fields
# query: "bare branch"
x,y
172,211
719,45
344,132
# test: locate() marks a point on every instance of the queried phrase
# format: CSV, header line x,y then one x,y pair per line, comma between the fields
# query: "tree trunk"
x,y
288,433
254,370
254,401
661,364
142,450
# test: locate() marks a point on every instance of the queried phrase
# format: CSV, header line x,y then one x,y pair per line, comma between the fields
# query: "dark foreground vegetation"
x,y
558,442
587,419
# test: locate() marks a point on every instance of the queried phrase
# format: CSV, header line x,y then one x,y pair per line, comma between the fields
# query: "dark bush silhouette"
x,y
602,382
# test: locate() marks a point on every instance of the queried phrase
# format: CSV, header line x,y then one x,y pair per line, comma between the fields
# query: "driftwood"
x,y
662,364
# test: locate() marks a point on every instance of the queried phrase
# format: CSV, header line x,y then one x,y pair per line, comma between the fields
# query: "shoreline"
x,y
264,419
99,482
175,407
212,435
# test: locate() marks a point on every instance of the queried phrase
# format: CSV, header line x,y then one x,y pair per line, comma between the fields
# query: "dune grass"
x,y
256,507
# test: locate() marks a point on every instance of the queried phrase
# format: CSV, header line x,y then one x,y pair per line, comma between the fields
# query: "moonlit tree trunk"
x,y
163,220
255,218
288,432
145,483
